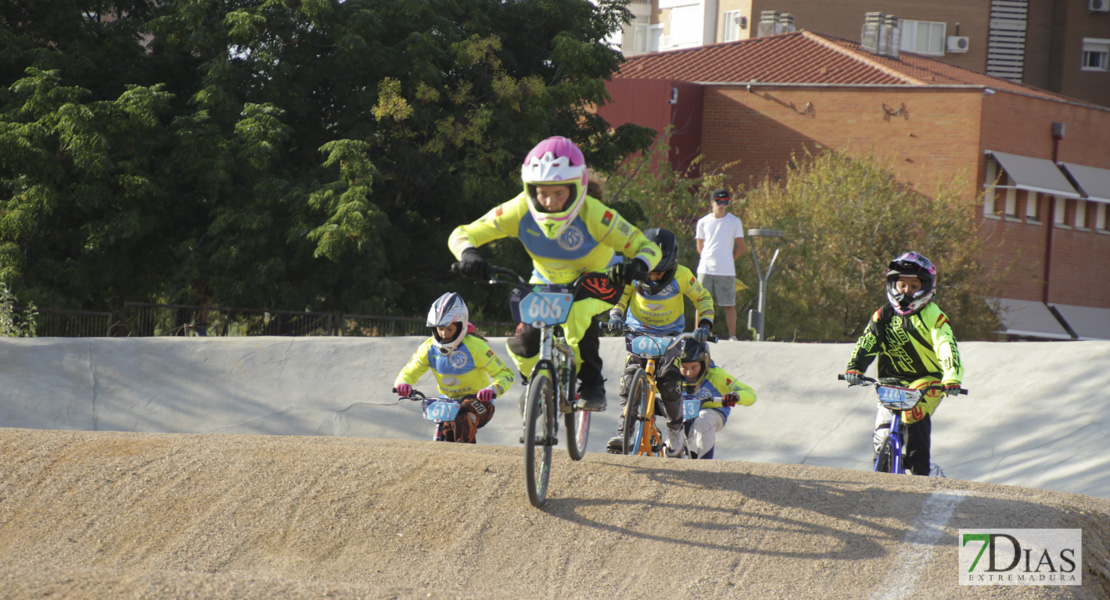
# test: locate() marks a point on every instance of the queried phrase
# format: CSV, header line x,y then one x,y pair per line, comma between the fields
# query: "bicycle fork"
x,y
545,363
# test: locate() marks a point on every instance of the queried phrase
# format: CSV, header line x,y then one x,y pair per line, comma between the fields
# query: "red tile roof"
x,y
803,57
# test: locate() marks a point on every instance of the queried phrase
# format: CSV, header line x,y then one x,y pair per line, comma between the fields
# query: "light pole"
x,y
756,315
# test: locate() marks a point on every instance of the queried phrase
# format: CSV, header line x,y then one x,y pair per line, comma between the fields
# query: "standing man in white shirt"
x,y
720,239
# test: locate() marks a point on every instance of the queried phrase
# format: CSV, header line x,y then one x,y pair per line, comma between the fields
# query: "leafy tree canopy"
x,y
279,153
845,219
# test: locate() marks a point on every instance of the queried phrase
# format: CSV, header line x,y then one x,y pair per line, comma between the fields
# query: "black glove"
x,y
730,399
701,334
625,273
951,389
473,265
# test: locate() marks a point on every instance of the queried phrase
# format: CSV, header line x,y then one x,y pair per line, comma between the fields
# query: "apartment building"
x,y
1057,45
1041,160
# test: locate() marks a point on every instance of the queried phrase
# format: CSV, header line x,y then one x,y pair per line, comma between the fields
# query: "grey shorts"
x,y
721,287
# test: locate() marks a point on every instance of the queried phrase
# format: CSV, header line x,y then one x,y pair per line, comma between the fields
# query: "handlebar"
x,y
684,334
869,381
415,396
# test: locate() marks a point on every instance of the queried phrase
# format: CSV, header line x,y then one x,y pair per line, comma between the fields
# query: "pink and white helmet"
x,y
555,161
447,309
911,264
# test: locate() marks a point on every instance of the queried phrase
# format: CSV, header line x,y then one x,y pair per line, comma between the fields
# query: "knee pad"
x,y
626,379
880,435
526,342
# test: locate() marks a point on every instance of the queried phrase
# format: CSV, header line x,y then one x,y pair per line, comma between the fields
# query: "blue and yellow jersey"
x,y
471,367
664,313
920,345
588,244
715,386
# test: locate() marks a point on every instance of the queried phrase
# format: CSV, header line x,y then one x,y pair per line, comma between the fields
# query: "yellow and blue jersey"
x,y
715,385
664,313
471,367
590,243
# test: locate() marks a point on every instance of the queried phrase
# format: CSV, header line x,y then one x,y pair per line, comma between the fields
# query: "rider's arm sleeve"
x,y
944,344
867,346
416,367
502,221
610,228
698,295
626,297
746,393
501,377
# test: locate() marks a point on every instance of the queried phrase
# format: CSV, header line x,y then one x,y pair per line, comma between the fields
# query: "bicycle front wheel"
x,y
884,460
635,412
539,435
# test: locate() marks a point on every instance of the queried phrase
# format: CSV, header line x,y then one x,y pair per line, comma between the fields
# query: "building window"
x,y
1032,203
685,27
730,26
923,37
641,36
1096,55
1011,203
1060,207
1080,214
1100,217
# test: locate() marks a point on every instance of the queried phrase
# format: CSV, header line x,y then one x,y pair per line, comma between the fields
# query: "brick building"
x,y
1057,45
760,100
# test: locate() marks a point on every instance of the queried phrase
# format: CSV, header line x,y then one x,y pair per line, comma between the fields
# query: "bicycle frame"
x,y
551,383
898,400
649,440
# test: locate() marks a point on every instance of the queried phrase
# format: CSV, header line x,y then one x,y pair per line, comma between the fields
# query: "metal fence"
x,y
139,319
74,323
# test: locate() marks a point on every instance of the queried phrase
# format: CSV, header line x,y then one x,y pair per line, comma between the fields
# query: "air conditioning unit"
x,y
1098,6
957,44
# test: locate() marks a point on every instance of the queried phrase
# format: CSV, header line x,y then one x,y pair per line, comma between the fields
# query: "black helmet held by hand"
x,y
668,244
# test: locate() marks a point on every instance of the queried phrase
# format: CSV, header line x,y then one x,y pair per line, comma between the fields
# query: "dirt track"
x,y
110,515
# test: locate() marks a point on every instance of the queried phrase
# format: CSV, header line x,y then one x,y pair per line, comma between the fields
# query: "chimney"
x,y
784,23
869,38
768,19
890,36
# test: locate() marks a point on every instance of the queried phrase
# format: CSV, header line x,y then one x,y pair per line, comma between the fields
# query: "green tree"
x,y
280,153
845,219
650,192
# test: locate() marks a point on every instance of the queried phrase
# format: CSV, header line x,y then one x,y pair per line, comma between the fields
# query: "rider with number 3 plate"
x,y
464,366
567,233
915,345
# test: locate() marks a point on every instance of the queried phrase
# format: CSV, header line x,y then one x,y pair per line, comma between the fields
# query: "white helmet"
x,y
555,161
447,309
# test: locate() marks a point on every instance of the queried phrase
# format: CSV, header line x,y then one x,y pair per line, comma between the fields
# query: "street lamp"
x,y
756,315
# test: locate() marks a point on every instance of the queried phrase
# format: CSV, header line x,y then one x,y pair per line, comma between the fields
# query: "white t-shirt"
x,y
719,237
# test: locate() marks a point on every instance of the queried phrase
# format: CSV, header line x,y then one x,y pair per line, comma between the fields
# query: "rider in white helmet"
x,y
567,233
464,367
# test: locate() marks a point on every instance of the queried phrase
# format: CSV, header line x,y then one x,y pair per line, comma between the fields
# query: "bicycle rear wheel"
x,y
577,421
539,434
578,433
635,412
